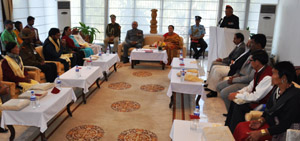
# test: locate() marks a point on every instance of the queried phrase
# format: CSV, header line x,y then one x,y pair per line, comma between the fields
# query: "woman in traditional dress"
x,y
281,111
172,41
13,68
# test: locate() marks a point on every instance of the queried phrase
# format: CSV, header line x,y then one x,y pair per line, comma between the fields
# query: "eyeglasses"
x,y
251,60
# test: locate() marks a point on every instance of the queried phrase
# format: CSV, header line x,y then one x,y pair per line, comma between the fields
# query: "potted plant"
x,y
89,33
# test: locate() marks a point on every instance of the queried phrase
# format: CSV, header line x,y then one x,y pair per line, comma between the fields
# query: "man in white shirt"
x,y
257,92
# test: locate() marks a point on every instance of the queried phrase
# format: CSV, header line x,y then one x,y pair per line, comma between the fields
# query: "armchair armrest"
x,y
31,68
12,88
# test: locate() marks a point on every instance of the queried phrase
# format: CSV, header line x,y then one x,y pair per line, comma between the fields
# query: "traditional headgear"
x,y
228,7
112,16
26,33
198,18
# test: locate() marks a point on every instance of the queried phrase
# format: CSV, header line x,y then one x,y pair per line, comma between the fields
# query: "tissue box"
x,y
38,93
42,86
15,104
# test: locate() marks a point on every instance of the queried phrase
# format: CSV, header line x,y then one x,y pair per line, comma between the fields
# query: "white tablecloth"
x,y
105,61
188,63
88,77
185,87
221,42
155,56
181,131
51,104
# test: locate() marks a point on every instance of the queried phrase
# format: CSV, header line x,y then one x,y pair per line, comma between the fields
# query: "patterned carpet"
x,y
131,105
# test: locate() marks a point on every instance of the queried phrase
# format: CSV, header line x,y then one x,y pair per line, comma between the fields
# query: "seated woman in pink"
x,y
172,43
281,111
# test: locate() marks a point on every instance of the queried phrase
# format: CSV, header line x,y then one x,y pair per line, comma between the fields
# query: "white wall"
x,y
286,43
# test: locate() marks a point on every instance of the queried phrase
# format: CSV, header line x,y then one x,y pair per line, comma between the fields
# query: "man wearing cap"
x,y
197,33
31,58
8,35
230,20
36,39
112,34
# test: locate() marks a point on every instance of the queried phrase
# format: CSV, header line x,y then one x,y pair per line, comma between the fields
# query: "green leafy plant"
x,y
251,34
88,31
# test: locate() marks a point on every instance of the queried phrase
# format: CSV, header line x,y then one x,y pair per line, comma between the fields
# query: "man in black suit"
x,y
230,20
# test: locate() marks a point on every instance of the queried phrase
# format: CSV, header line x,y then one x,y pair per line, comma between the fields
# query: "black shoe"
x,y
212,94
225,115
205,85
3,130
125,60
207,89
204,81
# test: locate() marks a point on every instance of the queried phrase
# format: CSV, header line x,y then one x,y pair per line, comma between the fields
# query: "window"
x,y
44,11
94,16
75,12
239,9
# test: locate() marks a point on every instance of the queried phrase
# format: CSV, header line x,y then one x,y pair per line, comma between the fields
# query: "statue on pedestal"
x,y
153,26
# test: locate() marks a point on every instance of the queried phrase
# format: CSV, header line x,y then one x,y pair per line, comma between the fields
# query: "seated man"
x,y
5,96
7,35
134,38
220,67
112,34
31,58
13,68
197,33
256,93
241,69
281,112
52,49
36,39
238,40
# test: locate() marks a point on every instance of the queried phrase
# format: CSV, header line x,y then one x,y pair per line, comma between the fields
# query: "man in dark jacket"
x,y
52,48
230,20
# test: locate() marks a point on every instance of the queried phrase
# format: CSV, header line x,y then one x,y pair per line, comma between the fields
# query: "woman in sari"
x,y
281,111
70,39
172,43
13,68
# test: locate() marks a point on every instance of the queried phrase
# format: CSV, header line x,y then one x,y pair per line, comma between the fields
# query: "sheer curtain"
x,y
75,12
94,16
44,11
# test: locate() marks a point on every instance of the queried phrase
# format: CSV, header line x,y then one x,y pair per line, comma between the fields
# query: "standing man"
x,y
197,33
112,34
230,20
7,35
134,38
30,23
